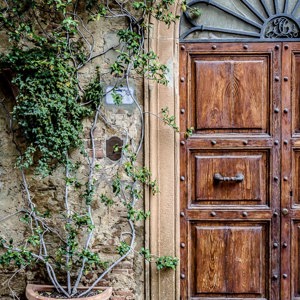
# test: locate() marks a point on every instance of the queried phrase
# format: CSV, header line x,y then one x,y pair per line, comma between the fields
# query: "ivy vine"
x,y
49,44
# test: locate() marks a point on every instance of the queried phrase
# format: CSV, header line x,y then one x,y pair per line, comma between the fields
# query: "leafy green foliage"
x,y
94,91
48,110
194,12
92,260
123,248
160,10
25,218
117,98
166,262
82,221
189,132
162,262
137,173
169,120
89,194
106,200
146,253
136,214
145,63
19,258
116,185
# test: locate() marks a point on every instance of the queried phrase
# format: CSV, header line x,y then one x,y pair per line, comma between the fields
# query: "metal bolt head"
x,y
275,277
285,211
275,245
285,178
182,214
285,110
214,47
276,142
276,178
182,276
182,143
286,47
277,47
245,142
276,110
286,79
284,276
182,178
182,79
277,78
245,214
275,214
182,245
285,142
213,214
182,47
246,47
284,245
182,111
213,142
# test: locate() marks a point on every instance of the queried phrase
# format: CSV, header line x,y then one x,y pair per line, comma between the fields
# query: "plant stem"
x,y
67,207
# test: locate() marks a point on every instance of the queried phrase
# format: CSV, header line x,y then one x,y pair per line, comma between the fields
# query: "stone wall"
x,y
127,278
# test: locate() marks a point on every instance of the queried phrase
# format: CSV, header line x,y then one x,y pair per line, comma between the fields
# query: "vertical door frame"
x,y
162,157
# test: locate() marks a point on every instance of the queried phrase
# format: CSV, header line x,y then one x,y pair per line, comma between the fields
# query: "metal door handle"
x,y
238,178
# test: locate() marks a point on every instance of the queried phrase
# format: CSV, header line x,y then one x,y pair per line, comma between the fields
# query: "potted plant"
x,y
53,121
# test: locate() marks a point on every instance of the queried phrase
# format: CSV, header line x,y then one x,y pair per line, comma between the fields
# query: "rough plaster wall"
x,y
127,278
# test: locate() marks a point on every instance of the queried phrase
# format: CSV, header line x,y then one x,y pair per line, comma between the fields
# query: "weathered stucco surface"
x,y
127,278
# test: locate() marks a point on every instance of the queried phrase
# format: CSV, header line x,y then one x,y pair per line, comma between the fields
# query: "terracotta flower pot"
x,y
32,293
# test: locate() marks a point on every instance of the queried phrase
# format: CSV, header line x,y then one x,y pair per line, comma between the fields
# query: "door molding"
x,y
162,158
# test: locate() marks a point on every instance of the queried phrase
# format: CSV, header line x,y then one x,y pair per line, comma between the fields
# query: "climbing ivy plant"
x,y
49,44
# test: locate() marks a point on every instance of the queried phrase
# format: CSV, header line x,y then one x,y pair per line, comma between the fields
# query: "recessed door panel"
x,y
295,79
296,255
223,264
231,94
230,177
296,177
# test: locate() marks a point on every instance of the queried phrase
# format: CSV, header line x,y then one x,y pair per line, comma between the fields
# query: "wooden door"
x,y
240,171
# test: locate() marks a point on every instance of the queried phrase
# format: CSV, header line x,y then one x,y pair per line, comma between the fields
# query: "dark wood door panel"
x,y
293,79
229,177
295,261
231,93
295,191
222,265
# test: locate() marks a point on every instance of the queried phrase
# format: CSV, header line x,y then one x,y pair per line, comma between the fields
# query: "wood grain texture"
x,y
229,229
231,94
251,167
223,250
295,262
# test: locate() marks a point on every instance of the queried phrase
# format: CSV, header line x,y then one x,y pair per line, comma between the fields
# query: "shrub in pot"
x,y
49,45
